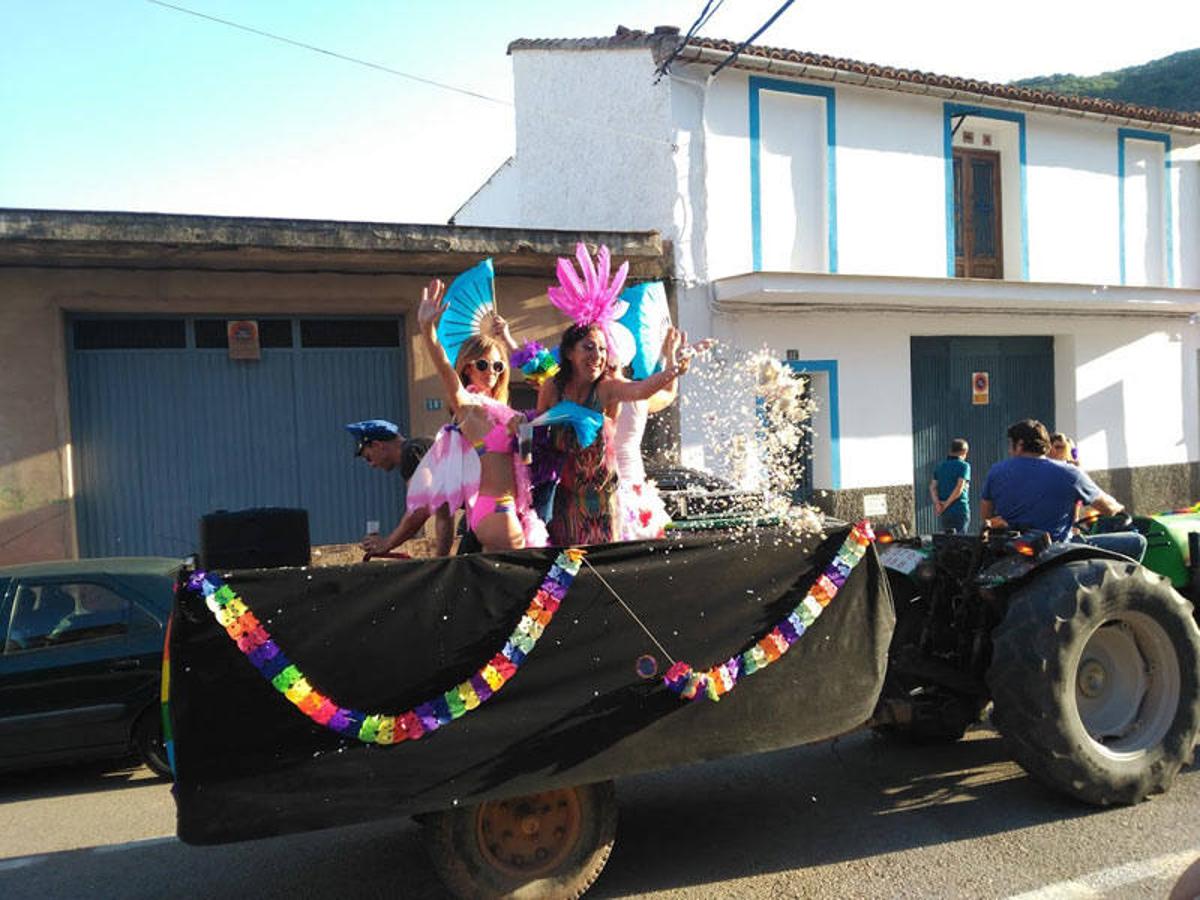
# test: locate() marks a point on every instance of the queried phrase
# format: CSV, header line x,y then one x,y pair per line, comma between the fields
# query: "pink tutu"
x,y
449,474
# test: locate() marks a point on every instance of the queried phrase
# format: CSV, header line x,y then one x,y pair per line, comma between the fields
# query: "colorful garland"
x,y
721,679
376,728
535,362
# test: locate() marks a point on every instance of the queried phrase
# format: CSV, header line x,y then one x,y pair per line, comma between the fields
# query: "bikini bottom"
x,y
485,505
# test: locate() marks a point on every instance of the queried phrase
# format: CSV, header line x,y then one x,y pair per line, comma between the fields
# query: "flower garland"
x,y
721,679
376,728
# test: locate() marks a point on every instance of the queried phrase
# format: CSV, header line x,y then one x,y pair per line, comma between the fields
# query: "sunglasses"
x,y
481,365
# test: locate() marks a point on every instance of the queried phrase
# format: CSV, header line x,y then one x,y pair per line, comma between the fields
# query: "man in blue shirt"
x,y
949,489
1029,491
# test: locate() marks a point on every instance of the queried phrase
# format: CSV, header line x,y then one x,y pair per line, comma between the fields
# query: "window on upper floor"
x,y
985,195
978,236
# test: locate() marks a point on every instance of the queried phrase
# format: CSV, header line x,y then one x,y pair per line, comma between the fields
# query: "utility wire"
x,y
742,46
334,54
701,20
390,71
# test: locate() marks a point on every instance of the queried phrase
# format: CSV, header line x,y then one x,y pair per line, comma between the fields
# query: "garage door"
x,y
1020,385
166,426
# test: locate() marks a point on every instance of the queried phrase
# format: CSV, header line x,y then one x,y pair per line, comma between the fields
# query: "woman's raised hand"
x,y
432,306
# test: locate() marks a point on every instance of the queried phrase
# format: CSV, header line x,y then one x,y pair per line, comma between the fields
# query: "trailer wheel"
x,y
1095,677
553,844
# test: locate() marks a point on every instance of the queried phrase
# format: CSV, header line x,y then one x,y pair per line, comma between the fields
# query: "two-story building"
x,y
942,256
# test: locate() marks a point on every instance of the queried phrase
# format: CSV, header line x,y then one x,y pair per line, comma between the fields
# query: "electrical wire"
x,y
397,72
701,20
631,613
742,46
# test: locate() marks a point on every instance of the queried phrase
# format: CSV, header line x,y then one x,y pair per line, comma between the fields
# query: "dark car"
x,y
82,660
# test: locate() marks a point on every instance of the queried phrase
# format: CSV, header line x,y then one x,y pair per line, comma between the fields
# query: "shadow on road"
x,y
78,778
850,799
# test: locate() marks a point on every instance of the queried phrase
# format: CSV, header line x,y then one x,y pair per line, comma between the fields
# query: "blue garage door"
x,y
167,427
1020,375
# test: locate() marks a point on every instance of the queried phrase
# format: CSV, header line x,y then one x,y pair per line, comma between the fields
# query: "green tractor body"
x,y
1171,538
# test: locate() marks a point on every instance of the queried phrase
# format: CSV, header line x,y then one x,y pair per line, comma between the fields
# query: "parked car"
x,y
82,660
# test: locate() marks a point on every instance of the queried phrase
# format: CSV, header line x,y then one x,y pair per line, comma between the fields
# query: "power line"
x,y
701,20
334,54
742,46
397,72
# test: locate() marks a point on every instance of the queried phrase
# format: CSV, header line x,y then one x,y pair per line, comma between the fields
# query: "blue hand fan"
x,y
471,297
586,422
647,319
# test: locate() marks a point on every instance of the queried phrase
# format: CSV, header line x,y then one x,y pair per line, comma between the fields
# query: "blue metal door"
x,y
167,427
1020,382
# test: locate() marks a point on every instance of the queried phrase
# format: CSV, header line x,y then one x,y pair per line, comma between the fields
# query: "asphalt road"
x,y
858,817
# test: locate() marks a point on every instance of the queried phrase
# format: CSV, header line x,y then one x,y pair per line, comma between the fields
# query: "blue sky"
x,y
122,104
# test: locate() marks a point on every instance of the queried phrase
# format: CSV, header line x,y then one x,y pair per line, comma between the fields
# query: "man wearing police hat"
x,y
380,443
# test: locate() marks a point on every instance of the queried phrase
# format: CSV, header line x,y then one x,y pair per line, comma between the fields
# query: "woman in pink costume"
x,y
473,462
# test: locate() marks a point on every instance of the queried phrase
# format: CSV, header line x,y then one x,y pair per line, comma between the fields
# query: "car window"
x,y
49,615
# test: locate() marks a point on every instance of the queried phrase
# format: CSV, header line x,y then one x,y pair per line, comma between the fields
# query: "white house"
x,y
944,256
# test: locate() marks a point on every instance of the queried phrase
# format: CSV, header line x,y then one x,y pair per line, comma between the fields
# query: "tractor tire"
x,y
542,846
1095,677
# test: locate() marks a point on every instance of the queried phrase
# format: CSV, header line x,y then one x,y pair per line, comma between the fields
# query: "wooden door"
x,y
978,251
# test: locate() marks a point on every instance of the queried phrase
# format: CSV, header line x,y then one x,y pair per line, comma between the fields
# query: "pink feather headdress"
x,y
594,299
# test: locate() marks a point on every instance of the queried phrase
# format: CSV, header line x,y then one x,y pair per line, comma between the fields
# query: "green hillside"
x,y
1172,82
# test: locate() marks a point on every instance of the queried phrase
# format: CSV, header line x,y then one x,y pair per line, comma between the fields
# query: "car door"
x,y
81,659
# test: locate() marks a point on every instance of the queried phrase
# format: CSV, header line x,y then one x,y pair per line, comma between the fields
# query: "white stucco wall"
x,y
593,137
497,203
1121,384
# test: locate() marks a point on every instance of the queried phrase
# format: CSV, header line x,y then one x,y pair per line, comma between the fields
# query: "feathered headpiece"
x,y
594,298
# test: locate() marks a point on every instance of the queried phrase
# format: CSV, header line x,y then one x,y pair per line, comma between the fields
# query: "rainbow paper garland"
x,y
721,679
377,728
535,362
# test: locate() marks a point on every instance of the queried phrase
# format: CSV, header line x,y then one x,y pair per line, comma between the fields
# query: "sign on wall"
x,y
243,339
980,388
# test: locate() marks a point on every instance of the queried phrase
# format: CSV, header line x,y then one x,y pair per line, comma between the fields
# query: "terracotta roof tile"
x,y
662,41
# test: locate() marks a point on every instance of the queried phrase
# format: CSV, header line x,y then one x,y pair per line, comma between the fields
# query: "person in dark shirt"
x,y
380,443
1029,491
949,489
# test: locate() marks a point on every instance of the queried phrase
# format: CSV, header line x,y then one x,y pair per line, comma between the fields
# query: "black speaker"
x,y
264,538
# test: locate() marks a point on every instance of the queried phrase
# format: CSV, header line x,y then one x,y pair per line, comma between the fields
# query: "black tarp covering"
x,y
385,637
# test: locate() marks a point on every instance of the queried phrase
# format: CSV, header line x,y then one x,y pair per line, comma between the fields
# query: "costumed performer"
x,y
585,502
641,514
473,462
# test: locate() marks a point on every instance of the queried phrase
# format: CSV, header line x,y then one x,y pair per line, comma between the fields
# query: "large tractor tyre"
x,y
543,846
1095,677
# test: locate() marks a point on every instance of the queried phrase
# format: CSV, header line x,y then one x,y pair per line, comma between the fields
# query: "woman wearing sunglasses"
x,y
476,465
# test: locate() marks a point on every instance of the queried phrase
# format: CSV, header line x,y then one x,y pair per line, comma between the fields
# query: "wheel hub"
x,y
1092,678
529,836
1127,685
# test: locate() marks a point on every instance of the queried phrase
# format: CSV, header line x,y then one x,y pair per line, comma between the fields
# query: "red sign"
x,y
980,388
243,339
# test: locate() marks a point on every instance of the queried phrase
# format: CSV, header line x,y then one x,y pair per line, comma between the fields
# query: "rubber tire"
x,y
147,740
450,840
1035,661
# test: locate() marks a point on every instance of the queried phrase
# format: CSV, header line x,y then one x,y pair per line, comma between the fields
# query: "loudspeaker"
x,y
265,538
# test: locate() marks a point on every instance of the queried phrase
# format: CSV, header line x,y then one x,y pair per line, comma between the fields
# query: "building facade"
x,y
126,414
941,256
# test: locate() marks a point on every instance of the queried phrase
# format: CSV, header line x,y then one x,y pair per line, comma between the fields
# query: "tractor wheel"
x,y
148,742
1095,677
548,845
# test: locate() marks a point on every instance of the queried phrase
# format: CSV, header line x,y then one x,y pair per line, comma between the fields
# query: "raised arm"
x,y
430,311
502,333
613,391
